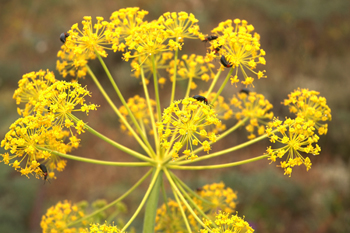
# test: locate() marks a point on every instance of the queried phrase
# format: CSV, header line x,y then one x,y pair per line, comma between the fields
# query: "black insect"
x,y
245,90
44,170
224,62
201,98
217,49
209,38
63,37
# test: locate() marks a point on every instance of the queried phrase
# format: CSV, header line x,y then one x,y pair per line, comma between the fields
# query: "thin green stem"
x,y
153,122
175,188
145,197
182,211
113,143
96,161
179,167
213,82
156,91
223,85
114,202
174,77
188,87
125,122
234,148
121,97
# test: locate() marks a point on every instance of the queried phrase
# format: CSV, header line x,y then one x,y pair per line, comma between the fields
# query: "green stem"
x,y
155,133
121,97
188,87
223,85
114,202
214,82
174,77
182,212
179,167
152,204
113,143
156,91
234,148
175,188
150,188
96,161
125,122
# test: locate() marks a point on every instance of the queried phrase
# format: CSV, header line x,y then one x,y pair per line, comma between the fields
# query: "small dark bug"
x,y
224,62
245,90
217,49
201,98
63,37
44,170
209,38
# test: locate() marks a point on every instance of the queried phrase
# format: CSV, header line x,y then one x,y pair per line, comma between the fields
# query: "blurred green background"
x,y
308,46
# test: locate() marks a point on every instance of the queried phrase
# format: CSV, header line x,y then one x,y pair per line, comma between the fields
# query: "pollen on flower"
x,y
185,121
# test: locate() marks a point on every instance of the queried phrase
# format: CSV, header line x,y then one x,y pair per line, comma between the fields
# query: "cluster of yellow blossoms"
x,y
48,127
46,123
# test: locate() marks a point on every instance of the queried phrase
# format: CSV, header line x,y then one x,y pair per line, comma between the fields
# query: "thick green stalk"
x,y
125,122
152,203
114,202
121,97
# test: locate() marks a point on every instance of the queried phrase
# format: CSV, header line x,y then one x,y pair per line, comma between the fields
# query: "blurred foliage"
x,y
307,45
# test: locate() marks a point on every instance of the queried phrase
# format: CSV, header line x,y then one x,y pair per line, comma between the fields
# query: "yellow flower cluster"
x,y
185,125
240,48
25,135
29,89
210,198
49,108
192,67
308,105
296,136
59,216
139,108
227,223
256,108
102,228
299,134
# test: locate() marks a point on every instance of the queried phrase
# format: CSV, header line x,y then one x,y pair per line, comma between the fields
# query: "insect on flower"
x,y
209,38
63,37
201,98
224,62
244,90
44,170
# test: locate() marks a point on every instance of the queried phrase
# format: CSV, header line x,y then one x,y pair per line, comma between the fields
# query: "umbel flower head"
x,y
59,216
180,25
256,108
29,89
227,223
62,98
185,126
296,136
308,105
25,135
240,47
93,37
